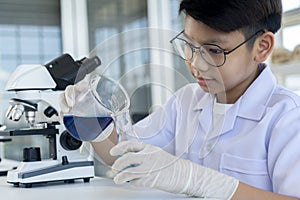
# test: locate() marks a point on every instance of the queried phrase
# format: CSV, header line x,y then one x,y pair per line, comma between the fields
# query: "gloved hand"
x,y
150,166
79,100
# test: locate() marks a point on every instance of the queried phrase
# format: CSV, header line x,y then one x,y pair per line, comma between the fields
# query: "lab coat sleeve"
x,y
159,127
284,154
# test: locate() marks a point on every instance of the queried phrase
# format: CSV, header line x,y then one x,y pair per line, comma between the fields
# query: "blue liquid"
x,y
86,128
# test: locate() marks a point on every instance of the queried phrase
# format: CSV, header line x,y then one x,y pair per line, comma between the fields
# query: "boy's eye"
x,y
212,49
215,50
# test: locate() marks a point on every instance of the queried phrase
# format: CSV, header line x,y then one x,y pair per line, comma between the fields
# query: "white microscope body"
x,y
37,91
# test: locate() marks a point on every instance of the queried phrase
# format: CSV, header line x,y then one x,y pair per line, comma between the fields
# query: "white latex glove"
x,y
79,100
150,166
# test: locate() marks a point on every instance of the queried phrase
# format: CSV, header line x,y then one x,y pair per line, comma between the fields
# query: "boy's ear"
x,y
263,46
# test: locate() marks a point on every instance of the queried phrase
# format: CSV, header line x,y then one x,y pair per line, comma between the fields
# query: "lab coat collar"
x,y
206,100
251,105
254,101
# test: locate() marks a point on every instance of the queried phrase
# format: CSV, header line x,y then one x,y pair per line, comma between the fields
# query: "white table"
x,y
98,188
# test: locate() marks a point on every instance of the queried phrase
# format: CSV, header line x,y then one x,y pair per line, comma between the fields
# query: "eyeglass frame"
x,y
225,53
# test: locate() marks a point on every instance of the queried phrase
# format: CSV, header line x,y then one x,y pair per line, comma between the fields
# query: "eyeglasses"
x,y
212,54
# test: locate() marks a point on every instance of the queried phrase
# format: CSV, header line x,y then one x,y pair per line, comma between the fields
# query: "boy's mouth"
x,y
204,81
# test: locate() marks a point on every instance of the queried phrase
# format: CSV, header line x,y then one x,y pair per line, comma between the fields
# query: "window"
x,y
179,64
30,33
115,27
290,4
289,75
290,24
291,37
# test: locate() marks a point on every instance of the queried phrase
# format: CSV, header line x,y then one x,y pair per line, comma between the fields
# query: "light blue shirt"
x,y
259,141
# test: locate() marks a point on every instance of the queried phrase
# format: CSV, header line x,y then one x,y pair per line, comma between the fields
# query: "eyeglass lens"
x,y
212,54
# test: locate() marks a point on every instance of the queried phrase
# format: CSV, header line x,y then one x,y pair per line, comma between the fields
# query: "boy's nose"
x,y
198,64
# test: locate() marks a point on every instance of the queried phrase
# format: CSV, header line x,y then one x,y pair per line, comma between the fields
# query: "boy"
x,y
234,137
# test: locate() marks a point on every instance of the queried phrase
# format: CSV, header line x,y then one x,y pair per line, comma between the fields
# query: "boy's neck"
x,y
232,95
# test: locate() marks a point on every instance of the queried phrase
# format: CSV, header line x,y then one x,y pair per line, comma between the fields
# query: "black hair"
x,y
247,16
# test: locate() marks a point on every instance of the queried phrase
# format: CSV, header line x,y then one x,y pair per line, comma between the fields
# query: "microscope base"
x,y
7,165
39,173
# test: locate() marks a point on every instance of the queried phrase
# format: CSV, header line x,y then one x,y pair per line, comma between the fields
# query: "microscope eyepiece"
x,y
66,71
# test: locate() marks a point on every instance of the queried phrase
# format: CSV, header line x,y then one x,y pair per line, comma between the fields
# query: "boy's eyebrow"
x,y
210,41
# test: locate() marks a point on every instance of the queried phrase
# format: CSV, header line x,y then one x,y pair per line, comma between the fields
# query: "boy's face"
x,y
230,80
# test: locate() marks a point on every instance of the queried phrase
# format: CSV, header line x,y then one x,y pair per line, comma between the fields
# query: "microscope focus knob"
x,y
68,142
31,154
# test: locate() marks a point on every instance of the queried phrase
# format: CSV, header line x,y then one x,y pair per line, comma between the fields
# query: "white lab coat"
x,y
260,139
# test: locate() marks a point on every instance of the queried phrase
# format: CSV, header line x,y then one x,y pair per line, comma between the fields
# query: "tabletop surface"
x,y
97,188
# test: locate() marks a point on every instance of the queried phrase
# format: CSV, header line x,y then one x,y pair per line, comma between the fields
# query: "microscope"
x,y
35,108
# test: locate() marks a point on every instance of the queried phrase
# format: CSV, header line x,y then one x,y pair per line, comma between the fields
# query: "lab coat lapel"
x,y
227,123
255,100
205,107
229,118
252,104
